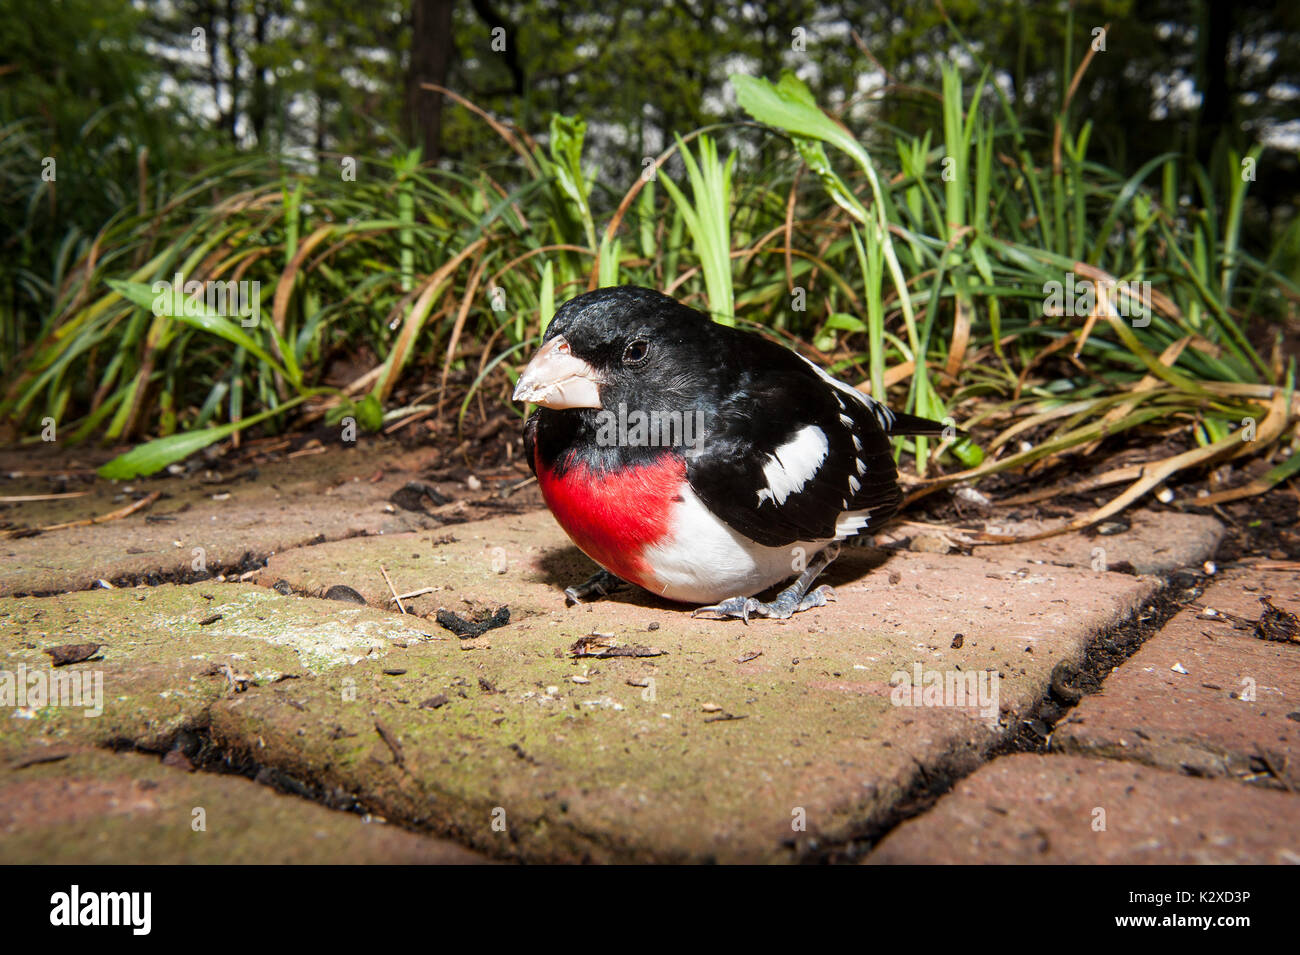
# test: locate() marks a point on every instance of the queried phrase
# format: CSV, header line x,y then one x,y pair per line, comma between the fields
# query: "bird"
x,y
699,461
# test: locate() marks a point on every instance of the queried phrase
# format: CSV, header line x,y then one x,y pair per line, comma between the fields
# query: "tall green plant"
x,y
789,105
708,219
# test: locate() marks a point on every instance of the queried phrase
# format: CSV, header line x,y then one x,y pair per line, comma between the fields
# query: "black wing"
x,y
781,401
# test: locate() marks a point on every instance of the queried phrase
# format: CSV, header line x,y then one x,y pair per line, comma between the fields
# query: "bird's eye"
x,y
636,352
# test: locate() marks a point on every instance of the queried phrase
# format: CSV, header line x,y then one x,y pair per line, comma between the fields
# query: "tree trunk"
x,y
260,106
431,51
1216,96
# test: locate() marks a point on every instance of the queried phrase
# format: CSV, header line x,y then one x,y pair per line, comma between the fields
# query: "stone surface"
x,y
1235,711
159,669
1043,809
592,769
508,744
731,743
219,518
519,561
95,807
1155,542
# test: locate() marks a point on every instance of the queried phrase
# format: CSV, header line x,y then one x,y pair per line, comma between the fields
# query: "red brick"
x,y
1044,809
1202,721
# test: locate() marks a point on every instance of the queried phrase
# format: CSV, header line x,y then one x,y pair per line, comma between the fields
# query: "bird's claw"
x,y
734,607
601,584
818,598
786,605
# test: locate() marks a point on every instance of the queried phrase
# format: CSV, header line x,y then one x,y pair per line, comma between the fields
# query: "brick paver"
x,y
1125,781
1202,697
95,807
204,521
1071,810
708,741
1140,541
1155,542
736,744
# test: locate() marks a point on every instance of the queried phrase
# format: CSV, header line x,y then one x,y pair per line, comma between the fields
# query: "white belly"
x,y
706,561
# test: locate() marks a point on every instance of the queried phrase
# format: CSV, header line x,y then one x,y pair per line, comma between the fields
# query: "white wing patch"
x,y
793,464
850,523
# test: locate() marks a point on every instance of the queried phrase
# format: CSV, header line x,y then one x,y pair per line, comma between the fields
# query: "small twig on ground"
x,y
1273,769
87,522
392,590
506,492
414,593
399,758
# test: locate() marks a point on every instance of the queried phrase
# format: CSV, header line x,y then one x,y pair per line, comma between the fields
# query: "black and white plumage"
x,y
782,462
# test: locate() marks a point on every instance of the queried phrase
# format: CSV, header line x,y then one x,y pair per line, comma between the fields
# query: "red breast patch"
x,y
614,516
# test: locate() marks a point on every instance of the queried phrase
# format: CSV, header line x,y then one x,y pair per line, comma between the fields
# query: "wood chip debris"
x,y
411,496
68,653
38,760
1274,624
237,682
32,498
602,646
346,594
466,629
391,742
1277,625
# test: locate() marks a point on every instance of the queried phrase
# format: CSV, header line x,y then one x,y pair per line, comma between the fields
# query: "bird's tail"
x,y
911,424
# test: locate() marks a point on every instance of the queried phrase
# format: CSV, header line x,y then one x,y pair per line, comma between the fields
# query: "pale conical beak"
x,y
556,378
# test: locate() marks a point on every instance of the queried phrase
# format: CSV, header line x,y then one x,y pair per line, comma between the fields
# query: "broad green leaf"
x,y
845,322
968,452
789,105
153,456
144,296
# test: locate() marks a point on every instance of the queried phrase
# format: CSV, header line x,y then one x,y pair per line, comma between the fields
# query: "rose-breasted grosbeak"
x,y
701,462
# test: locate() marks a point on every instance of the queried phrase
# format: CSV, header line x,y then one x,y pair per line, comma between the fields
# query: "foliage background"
x,y
222,158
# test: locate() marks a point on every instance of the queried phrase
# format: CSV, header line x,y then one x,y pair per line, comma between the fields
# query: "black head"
x,y
624,345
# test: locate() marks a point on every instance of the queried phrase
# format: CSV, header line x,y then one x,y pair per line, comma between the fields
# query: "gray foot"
x,y
600,584
794,599
786,605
